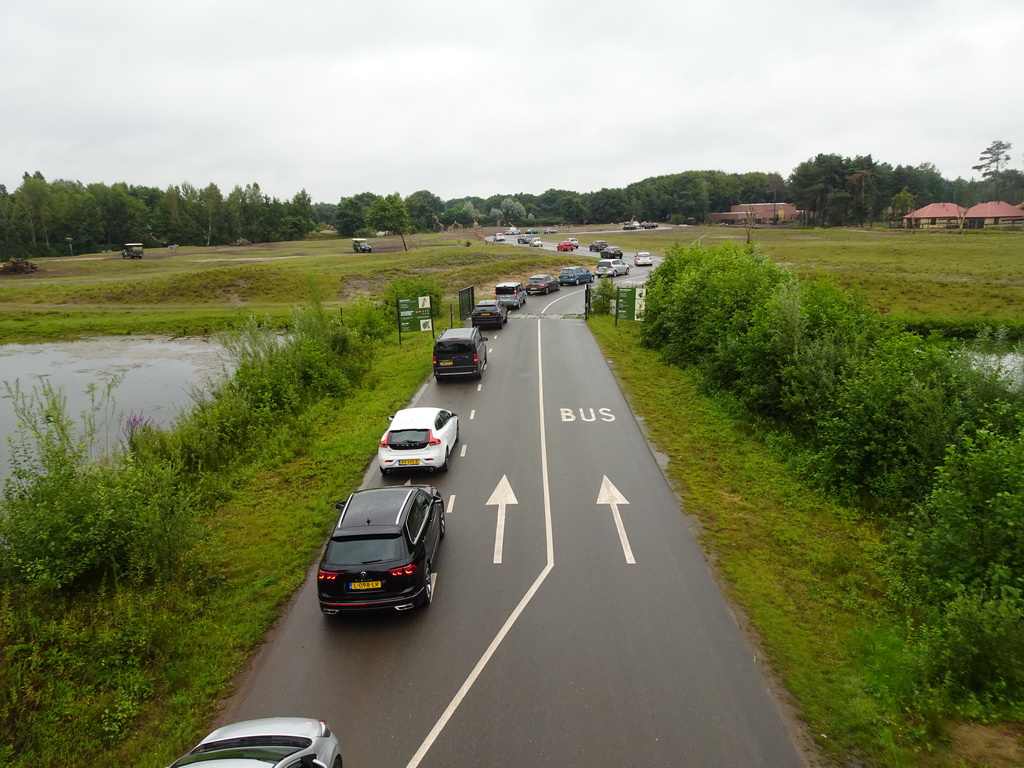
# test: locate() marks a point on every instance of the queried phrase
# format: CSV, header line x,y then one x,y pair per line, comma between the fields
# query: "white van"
x,y
511,231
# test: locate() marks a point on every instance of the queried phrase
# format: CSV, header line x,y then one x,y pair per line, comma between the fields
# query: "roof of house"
x,y
937,211
994,209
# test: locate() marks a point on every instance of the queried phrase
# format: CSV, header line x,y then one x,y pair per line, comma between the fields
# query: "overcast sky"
x,y
474,98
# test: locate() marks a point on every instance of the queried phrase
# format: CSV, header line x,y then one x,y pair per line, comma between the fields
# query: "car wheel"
x,y
337,762
443,521
382,470
447,462
577,281
428,586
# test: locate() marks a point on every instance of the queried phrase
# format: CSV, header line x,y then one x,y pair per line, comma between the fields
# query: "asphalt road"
x,y
575,621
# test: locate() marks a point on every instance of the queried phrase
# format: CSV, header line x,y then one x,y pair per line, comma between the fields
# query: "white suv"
x,y
418,438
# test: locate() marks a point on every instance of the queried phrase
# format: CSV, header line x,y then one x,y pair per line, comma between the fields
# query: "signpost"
x,y
414,316
630,302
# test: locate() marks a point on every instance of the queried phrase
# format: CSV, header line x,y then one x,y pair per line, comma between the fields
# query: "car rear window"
x,y
364,550
408,438
568,271
509,289
454,347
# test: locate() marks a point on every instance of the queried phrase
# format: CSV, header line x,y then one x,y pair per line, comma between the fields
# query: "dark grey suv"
x,y
382,550
460,352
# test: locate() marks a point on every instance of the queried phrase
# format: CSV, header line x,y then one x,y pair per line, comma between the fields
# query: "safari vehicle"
x,y
132,251
361,245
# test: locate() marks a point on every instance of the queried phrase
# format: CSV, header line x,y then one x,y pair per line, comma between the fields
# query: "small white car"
x,y
272,742
643,259
574,241
418,438
536,243
612,268
499,237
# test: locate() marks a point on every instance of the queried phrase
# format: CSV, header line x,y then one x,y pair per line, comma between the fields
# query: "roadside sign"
x,y
630,302
414,315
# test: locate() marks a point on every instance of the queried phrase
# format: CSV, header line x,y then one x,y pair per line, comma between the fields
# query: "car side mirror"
x,y
340,505
485,338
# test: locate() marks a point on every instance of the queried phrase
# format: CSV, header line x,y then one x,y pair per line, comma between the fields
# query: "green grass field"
x,y
971,278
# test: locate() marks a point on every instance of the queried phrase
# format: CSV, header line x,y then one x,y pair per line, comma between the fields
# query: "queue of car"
x,y
383,547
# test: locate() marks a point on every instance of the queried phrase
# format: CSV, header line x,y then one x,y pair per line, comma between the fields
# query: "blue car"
x,y
575,276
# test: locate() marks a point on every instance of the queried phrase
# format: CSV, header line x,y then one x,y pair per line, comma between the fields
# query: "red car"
x,y
565,245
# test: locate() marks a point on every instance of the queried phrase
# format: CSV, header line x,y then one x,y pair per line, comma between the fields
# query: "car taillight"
x,y
326,575
476,357
384,440
433,440
435,359
405,570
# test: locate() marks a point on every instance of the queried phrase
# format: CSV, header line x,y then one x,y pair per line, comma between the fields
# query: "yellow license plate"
x,y
446,362
408,461
365,585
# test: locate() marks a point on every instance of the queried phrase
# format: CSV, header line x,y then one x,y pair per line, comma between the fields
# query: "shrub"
x,y
974,655
410,288
969,533
603,298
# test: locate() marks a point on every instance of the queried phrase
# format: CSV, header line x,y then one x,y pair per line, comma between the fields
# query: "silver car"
x,y
272,742
612,268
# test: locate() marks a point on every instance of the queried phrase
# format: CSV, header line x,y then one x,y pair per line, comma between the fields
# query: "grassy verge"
x,y
810,578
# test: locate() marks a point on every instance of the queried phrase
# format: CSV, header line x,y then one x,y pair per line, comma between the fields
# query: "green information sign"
x,y
630,302
414,315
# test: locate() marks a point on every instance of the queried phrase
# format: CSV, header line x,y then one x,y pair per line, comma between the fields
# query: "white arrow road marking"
x,y
502,495
610,495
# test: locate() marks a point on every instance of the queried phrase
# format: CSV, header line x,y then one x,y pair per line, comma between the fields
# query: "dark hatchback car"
x,y
382,550
598,245
489,312
611,252
460,352
542,284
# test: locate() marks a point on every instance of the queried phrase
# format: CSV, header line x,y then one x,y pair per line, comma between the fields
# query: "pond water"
x,y
159,375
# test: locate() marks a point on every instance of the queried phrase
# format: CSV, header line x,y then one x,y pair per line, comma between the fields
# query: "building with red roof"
x,y
994,214
763,213
936,215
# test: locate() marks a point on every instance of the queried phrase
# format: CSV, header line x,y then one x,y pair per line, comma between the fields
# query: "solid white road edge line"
x,y
514,616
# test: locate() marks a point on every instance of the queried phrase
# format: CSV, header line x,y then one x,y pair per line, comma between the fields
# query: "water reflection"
x,y
158,373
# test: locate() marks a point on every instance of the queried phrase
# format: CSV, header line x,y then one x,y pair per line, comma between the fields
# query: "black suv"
x,y
460,352
382,550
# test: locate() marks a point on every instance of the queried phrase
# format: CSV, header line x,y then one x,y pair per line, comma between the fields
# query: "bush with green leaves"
x,y
704,299
70,520
602,299
973,655
410,288
968,534
929,438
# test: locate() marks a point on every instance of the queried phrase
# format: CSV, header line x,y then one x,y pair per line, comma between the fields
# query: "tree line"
x,y
61,217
